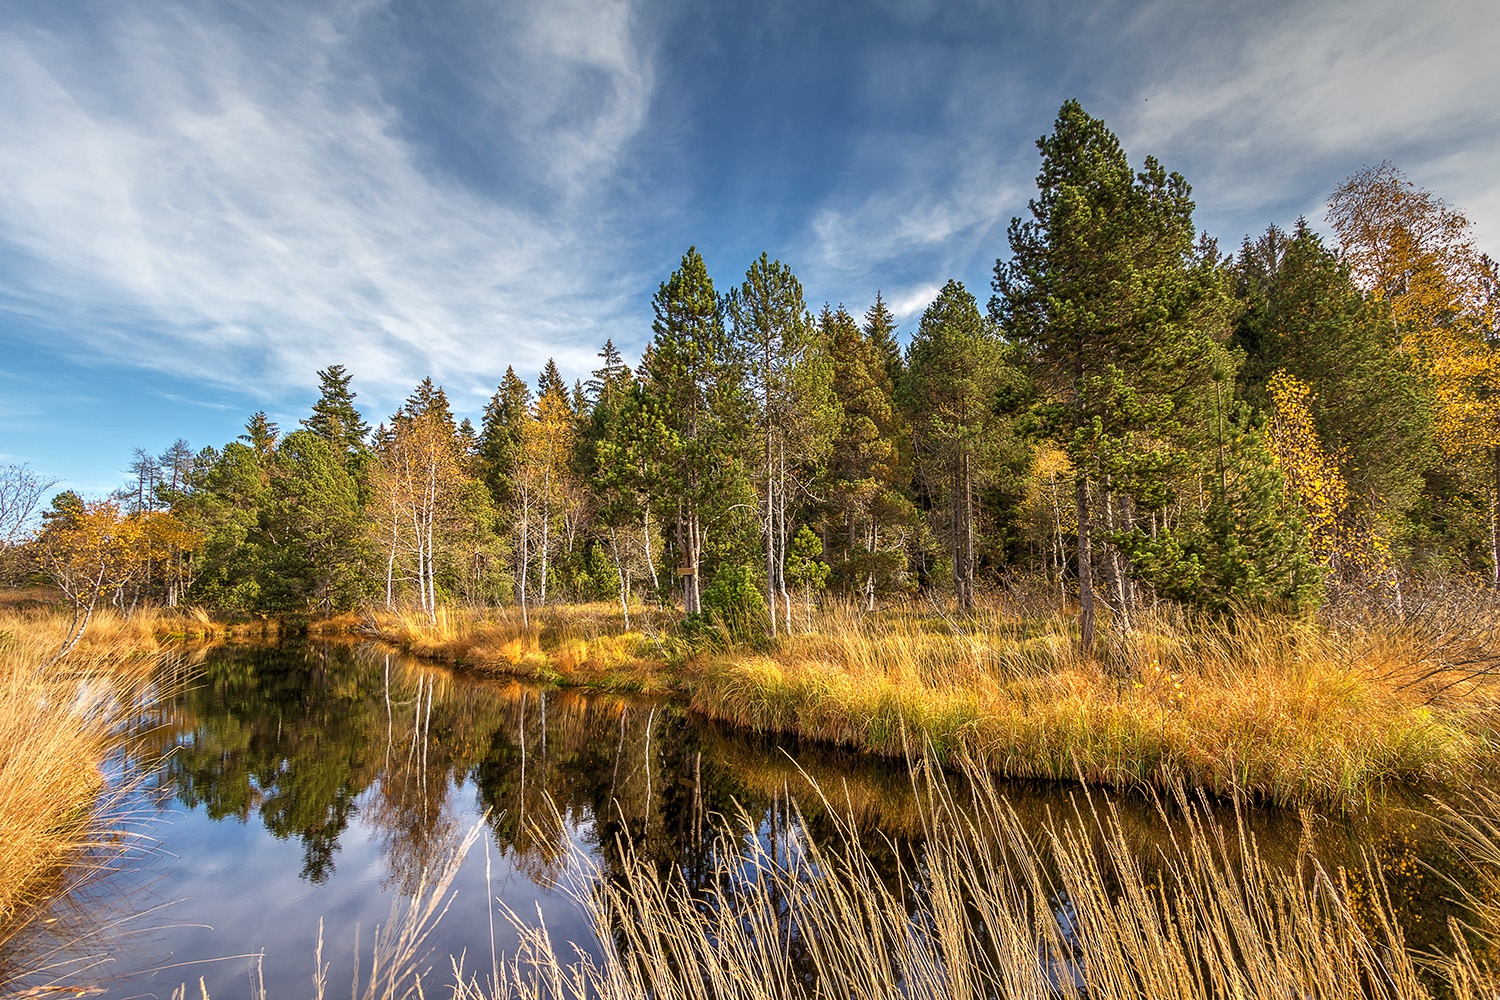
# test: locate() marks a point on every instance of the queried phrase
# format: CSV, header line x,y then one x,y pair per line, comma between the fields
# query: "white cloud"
x,y
251,212
909,303
1297,96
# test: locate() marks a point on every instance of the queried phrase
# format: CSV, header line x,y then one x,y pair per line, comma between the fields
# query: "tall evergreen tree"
x,y
334,416
1304,316
610,380
956,368
880,328
865,466
777,341
690,371
261,434
550,381
1106,290
500,436
310,530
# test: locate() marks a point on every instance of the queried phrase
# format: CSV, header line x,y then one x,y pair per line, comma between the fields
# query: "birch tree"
x,y
1410,249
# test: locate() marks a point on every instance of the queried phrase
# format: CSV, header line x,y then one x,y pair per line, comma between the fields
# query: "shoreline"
x,y
1283,712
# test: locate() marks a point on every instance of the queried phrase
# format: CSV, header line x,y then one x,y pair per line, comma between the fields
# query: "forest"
x,y
1135,417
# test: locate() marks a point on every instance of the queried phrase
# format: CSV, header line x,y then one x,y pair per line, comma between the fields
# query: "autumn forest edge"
x,y
1133,417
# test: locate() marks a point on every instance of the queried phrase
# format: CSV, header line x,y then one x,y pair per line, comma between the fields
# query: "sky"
x,y
204,203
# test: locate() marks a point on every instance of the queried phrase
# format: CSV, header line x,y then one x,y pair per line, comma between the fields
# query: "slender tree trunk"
x,y
1114,575
650,559
968,533
770,518
619,571
770,527
75,632
525,553
695,543
390,559
1085,570
431,555
786,599
546,527
1495,521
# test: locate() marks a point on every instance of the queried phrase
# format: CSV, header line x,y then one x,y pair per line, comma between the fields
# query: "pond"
x,y
308,786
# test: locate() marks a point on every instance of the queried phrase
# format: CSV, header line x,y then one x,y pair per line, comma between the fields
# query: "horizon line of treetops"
x,y
1135,417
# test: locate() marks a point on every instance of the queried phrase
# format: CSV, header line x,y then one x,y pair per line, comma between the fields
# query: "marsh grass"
x,y
61,821
992,907
583,644
1286,711
39,618
1289,711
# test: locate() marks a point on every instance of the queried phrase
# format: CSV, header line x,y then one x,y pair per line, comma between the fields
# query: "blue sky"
x,y
201,204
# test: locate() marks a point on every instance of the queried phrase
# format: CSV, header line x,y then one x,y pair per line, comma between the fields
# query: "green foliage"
x,y
334,416
1249,548
695,421
500,436
1304,316
866,509
226,491
959,374
310,531
804,565
734,609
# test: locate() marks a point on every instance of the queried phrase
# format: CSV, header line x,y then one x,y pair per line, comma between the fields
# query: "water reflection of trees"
x,y
304,738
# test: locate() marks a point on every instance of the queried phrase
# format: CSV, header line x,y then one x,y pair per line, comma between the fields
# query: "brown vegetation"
x,y
1001,907
1287,711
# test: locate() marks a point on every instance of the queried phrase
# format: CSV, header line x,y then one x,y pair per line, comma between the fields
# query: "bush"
x,y
734,610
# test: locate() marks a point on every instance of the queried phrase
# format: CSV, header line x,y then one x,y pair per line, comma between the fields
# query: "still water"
x,y
309,785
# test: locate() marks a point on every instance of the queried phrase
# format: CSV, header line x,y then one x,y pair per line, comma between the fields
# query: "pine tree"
x,y
956,368
691,373
776,340
1105,288
310,530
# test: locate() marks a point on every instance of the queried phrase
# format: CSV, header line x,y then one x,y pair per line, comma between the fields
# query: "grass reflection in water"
x,y
716,864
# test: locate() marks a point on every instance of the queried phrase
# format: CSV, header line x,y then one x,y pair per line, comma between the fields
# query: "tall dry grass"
x,y
994,908
1290,712
56,730
60,821
583,644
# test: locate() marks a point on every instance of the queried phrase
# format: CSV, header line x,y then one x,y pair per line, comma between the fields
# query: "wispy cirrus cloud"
x,y
1273,105
257,208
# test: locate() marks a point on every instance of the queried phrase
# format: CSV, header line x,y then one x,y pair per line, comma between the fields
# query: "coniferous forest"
x,y
1133,415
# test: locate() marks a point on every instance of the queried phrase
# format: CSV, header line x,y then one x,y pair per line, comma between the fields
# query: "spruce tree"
x,y
865,467
880,328
334,416
500,436
691,373
1304,316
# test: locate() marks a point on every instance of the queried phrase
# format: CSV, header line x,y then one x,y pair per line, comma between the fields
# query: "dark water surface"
x,y
318,781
